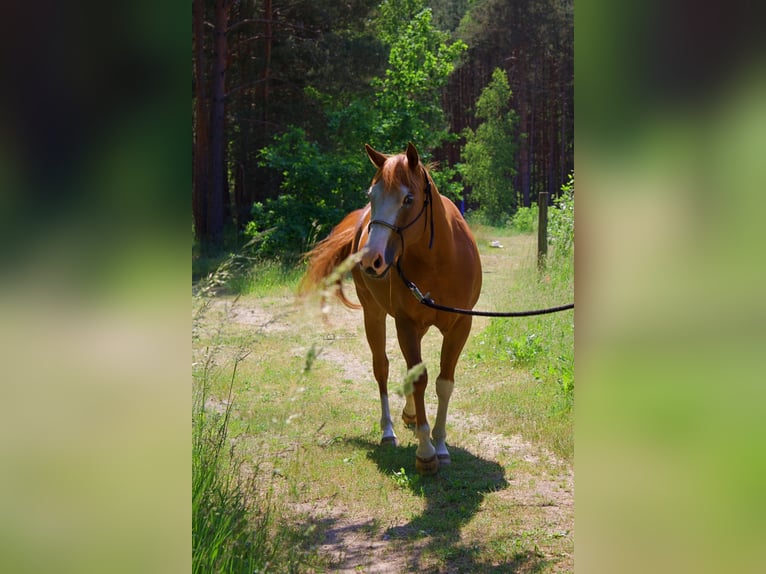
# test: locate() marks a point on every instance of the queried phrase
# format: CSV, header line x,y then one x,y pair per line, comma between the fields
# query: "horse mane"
x,y
326,255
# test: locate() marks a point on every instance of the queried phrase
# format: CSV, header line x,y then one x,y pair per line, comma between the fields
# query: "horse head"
x,y
399,194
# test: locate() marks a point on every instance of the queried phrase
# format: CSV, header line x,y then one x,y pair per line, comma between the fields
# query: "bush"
x,y
318,189
561,221
489,153
287,226
525,219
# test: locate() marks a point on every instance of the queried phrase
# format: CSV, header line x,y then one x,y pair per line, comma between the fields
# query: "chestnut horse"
x,y
407,230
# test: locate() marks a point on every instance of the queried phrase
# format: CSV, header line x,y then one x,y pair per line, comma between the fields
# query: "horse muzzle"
x,y
376,265
379,256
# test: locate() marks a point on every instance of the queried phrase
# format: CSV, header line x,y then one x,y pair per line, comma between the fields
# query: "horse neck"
x,y
437,217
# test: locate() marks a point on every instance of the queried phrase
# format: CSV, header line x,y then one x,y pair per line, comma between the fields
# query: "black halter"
x,y
428,201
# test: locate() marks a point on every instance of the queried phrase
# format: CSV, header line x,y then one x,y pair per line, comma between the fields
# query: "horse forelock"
x,y
396,173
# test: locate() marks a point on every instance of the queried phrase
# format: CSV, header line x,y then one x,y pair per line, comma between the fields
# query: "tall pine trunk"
x,y
219,183
524,130
201,169
267,16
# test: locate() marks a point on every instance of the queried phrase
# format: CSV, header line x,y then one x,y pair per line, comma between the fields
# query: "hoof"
x,y
426,467
389,441
409,420
444,459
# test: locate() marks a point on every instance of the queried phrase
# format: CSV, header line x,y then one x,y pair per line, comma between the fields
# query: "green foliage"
x,y
408,384
551,363
561,221
235,521
408,97
489,153
447,182
318,188
525,219
394,17
287,225
413,482
562,371
262,277
543,346
229,533
321,182
222,538
502,344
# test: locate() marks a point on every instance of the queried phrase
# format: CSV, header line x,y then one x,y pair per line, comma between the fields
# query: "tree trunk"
x,y
218,188
200,173
563,146
524,128
267,16
242,209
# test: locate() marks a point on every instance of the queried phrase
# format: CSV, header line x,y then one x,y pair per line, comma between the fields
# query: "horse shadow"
x,y
453,497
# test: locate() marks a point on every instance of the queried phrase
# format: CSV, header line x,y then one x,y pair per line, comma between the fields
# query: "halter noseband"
x,y
398,229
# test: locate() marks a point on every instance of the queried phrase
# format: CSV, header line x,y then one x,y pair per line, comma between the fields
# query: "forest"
x,y
285,93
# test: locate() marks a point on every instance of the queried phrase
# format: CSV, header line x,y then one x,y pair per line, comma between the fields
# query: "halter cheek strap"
x,y
428,201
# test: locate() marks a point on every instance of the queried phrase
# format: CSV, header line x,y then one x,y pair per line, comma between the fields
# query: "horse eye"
x,y
407,200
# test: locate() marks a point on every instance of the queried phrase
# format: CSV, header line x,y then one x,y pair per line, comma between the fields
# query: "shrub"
x,y
489,153
561,220
525,219
318,188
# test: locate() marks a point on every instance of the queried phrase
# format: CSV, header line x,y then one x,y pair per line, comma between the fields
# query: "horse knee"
x,y
380,369
444,388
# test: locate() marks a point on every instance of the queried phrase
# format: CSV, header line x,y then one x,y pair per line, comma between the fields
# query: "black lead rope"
x,y
428,302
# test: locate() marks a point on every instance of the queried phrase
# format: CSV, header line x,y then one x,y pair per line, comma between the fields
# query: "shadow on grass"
x,y
453,497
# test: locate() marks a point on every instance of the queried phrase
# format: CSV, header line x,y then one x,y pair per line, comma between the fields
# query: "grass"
x,y
302,416
237,527
528,362
227,534
242,273
266,278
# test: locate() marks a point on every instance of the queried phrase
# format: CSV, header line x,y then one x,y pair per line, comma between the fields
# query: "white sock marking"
x,y
386,424
444,389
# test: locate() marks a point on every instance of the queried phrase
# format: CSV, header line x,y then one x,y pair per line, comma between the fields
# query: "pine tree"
x,y
489,155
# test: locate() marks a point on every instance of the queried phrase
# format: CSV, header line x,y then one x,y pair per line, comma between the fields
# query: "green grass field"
x,y
302,429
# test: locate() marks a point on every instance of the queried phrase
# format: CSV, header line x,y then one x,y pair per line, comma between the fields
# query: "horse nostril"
x,y
375,266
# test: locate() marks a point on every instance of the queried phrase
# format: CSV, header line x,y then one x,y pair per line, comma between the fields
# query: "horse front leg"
x,y
410,337
452,345
375,329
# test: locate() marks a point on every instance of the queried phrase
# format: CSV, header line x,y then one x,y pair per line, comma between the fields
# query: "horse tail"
x,y
326,255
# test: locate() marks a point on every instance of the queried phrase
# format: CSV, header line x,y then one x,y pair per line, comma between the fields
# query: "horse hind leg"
x,y
426,461
408,413
426,457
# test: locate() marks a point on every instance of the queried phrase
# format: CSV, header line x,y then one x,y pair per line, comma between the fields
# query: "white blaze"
x,y
385,207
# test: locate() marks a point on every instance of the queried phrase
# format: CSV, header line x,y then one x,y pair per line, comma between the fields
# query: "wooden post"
x,y
542,229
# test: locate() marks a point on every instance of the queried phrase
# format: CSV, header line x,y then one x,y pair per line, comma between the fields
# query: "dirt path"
x,y
535,493
543,488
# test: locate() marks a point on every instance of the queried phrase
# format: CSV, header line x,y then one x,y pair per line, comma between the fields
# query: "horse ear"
x,y
377,158
412,156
